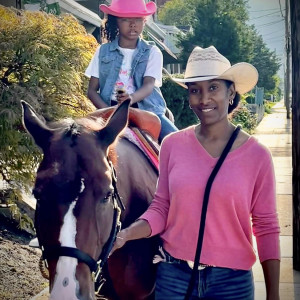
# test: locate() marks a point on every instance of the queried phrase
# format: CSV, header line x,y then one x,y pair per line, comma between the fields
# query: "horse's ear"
x,y
115,124
35,126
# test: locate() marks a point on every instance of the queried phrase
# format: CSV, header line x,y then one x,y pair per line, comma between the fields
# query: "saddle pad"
x,y
146,141
135,136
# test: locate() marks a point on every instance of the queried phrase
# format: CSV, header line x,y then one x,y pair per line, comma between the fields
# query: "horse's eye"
x,y
107,197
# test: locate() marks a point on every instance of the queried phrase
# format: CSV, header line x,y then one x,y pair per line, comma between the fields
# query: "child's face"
x,y
130,28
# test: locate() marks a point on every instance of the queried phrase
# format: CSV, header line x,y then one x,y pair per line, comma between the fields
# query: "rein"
x,y
95,266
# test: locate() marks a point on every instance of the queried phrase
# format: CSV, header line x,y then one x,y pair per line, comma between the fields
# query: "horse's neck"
x,y
136,177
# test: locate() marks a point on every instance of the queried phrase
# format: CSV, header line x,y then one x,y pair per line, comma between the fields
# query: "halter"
x,y
95,266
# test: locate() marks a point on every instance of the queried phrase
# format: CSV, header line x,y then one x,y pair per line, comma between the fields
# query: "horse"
x,y
87,170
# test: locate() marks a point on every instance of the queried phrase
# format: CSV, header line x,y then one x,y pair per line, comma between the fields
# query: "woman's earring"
x,y
230,101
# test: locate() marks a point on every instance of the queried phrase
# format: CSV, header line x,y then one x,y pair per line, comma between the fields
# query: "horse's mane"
x,y
72,128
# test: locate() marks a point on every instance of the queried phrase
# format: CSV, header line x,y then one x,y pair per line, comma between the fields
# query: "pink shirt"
x,y
242,201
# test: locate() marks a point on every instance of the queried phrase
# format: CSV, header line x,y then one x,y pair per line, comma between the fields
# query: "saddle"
x,y
144,130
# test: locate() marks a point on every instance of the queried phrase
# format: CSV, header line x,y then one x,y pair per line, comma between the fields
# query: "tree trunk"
x,y
295,40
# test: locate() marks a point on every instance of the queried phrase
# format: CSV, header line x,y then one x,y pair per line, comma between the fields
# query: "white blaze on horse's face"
x,y
65,285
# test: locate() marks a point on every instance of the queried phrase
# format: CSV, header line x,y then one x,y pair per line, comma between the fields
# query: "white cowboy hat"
x,y
207,63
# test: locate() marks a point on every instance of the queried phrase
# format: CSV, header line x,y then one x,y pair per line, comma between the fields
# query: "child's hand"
x,y
122,95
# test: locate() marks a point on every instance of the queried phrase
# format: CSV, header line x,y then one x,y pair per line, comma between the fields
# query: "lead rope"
x,y
204,209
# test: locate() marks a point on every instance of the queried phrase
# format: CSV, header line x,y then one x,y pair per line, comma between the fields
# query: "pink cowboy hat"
x,y
129,8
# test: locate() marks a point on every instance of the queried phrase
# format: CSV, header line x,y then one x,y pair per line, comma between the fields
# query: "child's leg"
x,y
166,127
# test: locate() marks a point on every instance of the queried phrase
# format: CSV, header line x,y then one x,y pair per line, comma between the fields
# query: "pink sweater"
x,y
242,201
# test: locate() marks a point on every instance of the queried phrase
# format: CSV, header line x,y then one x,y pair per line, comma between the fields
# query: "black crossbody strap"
x,y
204,209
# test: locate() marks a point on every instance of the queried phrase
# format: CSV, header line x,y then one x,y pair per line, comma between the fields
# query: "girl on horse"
x,y
126,66
242,198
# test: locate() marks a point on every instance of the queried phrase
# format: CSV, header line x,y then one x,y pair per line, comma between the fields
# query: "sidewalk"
x,y
275,132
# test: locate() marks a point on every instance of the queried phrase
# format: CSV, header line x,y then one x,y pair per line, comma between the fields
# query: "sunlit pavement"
x,y
275,132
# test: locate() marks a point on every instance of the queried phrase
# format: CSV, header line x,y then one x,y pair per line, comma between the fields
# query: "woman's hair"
x,y
109,29
236,99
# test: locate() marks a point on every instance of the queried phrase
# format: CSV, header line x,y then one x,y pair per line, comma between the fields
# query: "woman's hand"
x,y
120,241
137,230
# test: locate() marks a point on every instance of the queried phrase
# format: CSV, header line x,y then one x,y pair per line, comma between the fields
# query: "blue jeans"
x,y
211,283
166,127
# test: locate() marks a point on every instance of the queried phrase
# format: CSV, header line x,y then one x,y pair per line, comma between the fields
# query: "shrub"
x,y
268,106
250,98
42,61
177,101
244,117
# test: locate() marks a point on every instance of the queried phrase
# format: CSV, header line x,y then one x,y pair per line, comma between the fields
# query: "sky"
x,y
268,18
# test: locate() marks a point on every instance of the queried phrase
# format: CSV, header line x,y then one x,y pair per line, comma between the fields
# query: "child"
x,y
127,66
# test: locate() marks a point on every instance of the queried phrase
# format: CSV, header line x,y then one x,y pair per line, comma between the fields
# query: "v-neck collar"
x,y
206,153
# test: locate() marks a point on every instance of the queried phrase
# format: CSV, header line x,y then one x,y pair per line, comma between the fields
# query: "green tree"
x,y
267,64
42,61
221,24
177,12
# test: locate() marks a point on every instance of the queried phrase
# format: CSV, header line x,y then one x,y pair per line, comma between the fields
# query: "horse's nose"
x,y
59,293
70,292
88,297
71,296
65,285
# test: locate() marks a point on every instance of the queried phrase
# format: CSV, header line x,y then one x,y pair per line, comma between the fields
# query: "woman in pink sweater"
x,y
242,199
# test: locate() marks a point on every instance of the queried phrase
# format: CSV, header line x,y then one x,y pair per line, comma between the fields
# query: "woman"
x,y
242,193
126,66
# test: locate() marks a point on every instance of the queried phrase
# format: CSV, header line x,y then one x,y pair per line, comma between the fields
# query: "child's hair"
x,y
109,29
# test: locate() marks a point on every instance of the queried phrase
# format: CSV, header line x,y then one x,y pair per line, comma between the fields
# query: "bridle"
x,y
52,252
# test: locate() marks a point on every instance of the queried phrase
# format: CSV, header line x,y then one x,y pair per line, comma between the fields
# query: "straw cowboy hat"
x,y
129,8
207,63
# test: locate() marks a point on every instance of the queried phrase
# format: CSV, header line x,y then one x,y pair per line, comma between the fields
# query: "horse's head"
x,y
74,190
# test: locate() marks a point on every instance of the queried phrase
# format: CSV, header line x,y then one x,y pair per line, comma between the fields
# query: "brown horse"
x,y
78,211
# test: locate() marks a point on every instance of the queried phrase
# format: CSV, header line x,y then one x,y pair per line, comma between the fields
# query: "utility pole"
x,y
287,70
18,4
295,31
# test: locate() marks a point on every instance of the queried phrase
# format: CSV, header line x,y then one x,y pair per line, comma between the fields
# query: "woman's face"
x,y
210,99
130,28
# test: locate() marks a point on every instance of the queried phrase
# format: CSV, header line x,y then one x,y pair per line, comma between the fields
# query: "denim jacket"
x,y
110,61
